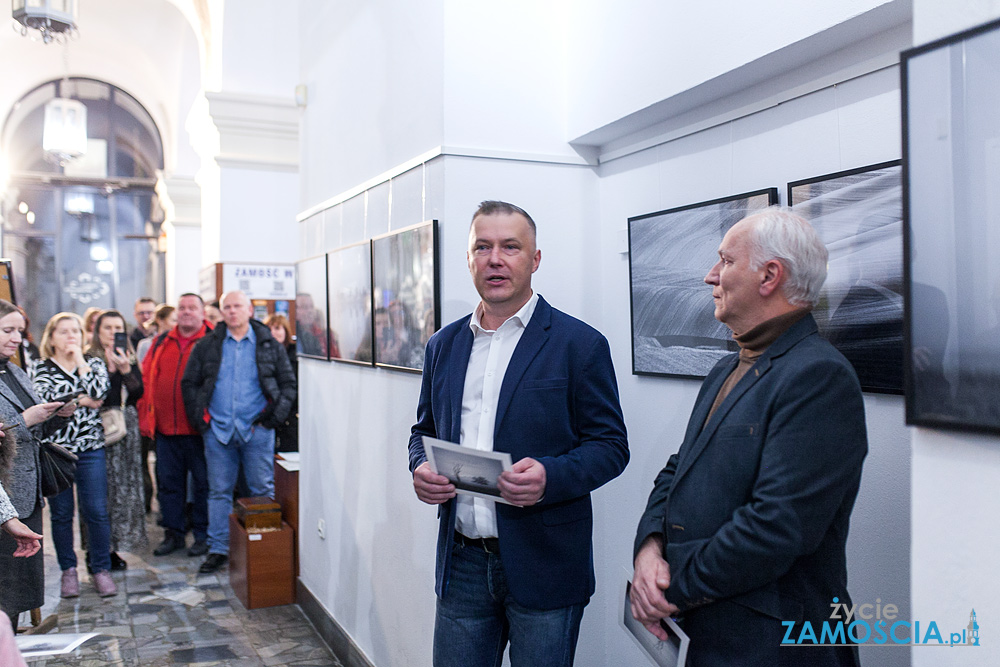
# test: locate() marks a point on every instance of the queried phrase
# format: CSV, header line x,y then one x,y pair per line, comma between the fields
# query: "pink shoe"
x,y
104,585
70,585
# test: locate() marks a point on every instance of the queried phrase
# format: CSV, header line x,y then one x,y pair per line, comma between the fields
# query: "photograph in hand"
x,y
473,471
671,652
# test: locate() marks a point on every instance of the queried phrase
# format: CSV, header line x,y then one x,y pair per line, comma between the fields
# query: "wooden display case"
x,y
261,565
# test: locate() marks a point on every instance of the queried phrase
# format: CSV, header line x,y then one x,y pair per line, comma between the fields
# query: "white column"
x,y
180,197
258,182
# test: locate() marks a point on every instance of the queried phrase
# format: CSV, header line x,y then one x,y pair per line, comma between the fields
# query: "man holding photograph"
x,y
745,531
521,377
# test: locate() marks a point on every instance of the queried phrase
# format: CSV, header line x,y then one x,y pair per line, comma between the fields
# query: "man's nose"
x,y
495,256
712,277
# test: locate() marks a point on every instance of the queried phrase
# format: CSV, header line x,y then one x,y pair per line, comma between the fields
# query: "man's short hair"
x,y
145,299
778,233
197,296
491,207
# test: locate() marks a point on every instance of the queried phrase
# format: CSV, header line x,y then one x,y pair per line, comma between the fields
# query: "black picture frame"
x,y
859,215
312,328
674,330
950,90
349,303
406,295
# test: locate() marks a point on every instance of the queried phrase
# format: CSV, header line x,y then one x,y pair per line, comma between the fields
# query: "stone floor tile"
x,y
143,627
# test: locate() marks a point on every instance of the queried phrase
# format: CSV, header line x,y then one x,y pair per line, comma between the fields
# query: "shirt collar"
x,y
251,336
523,316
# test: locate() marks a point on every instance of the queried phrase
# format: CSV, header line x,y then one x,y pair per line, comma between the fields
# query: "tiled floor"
x,y
165,613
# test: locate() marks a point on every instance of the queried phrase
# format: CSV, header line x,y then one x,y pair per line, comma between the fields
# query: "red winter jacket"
x,y
162,370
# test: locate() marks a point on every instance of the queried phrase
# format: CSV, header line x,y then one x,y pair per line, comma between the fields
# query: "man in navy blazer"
x,y
744,534
516,376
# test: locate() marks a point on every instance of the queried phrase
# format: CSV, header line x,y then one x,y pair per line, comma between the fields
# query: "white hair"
x,y
778,233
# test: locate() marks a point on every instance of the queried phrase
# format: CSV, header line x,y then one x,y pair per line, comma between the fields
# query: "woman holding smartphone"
x,y
64,370
126,498
25,418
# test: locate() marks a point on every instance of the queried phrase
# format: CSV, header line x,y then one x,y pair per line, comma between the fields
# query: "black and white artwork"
x,y
951,154
405,291
474,472
674,330
311,327
349,297
859,215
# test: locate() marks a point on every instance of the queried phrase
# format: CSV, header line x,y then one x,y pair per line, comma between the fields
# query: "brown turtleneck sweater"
x,y
752,344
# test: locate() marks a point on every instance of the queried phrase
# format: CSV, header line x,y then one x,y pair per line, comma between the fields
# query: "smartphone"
x,y
65,398
121,341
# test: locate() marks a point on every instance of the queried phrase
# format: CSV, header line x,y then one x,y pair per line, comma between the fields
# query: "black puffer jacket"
x,y
277,380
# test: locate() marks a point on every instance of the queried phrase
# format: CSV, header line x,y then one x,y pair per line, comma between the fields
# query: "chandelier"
x,y
53,19
64,134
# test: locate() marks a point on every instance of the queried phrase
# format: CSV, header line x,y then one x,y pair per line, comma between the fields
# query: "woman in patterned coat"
x,y
65,371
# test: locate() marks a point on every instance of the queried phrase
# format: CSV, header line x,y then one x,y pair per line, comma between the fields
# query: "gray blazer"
x,y
24,486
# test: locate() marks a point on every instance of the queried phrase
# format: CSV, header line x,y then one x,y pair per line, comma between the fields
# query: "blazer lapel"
x,y
459,364
535,335
785,342
9,394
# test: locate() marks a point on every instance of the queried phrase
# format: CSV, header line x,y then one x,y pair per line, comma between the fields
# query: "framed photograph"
x,y
951,212
859,215
474,472
312,330
674,330
349,302
405,294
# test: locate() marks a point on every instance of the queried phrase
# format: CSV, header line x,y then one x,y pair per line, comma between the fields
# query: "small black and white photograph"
x,y
405,291
349,295
473,471
859,215
674,330
671,652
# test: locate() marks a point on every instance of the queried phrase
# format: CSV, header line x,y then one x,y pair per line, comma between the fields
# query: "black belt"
x,y
490,545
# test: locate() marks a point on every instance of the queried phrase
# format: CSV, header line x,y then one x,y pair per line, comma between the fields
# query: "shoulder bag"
x,y
113,420
57,468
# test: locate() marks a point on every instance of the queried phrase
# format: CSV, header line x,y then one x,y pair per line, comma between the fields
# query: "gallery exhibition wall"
x,y
485,125
954,474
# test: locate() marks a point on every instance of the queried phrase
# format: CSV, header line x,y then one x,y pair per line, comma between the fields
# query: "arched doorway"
x,y
84,234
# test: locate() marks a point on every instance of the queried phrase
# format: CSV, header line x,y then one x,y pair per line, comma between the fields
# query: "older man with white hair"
x,y
743,537
238,386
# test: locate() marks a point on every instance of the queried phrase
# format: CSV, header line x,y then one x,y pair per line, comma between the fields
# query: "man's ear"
x,y
772,276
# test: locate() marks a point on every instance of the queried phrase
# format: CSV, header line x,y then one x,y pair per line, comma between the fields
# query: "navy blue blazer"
x,y
754,508
558,404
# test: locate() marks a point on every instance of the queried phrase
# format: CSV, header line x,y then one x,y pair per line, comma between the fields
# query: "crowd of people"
x,y
207,388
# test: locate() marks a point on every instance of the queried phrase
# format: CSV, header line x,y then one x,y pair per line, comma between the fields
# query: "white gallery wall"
x,y
372,569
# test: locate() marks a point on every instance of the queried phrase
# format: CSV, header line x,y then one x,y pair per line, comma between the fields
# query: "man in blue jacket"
x,y
744,533
516,376
238,387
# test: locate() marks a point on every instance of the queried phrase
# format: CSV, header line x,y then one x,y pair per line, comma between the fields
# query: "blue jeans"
x,y
256,456
92,491
477,617
176,456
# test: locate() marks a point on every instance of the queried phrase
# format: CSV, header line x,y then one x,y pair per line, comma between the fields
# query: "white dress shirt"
x,y
491,353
